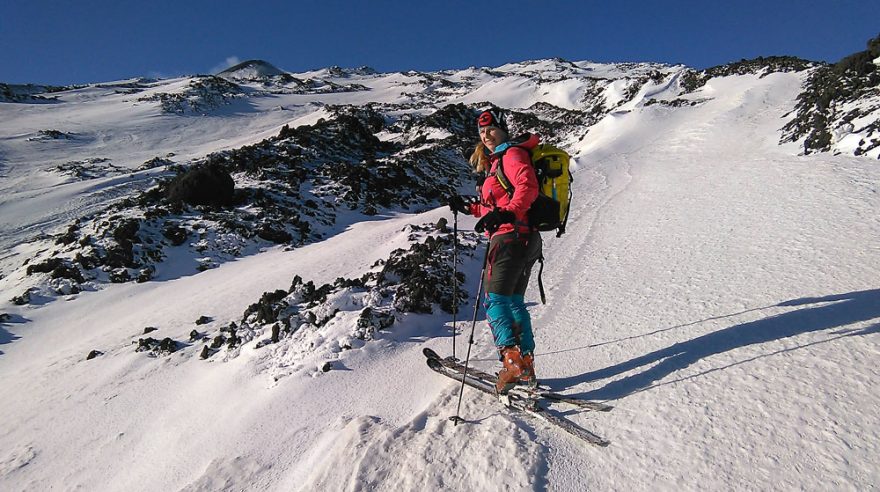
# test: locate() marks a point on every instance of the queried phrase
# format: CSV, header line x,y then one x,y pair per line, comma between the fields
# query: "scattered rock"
x,y
57,268
168,345
93,354
371,320
442,225
149,329
68,237
218,342
175,234
23,299
233,341
119,275
203,320
206,352
126,232
64,286
327,366
274,234
53,135
156,347
203,185
268,307
145,274
87,261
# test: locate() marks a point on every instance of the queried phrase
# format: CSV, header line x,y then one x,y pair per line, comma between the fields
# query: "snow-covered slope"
x,y
718,289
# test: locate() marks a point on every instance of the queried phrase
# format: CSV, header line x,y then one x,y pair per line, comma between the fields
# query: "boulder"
x,y
203,185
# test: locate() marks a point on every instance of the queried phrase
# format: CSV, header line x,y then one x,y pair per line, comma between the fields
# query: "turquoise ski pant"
x,y
510,322
508,268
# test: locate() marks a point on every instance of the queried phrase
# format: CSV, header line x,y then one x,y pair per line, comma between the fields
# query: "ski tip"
x,y
430,353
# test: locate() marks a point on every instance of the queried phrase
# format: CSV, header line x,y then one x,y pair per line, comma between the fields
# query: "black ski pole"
x,y
456,418
454,279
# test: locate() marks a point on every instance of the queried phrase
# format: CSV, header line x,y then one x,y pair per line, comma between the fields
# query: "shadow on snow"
x,y
5,335
843,310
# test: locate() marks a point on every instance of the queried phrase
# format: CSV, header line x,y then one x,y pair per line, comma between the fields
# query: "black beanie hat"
x,y
492,117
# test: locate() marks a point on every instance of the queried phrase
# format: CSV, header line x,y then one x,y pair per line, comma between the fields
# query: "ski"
x,y
523,390
519,402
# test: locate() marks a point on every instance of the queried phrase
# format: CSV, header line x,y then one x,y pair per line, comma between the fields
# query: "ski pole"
x,y
454,278
456,418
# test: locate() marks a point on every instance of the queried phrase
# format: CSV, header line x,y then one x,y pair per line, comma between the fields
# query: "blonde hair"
x,y
478,159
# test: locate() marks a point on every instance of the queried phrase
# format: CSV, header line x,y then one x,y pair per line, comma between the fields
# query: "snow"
x,y
718,289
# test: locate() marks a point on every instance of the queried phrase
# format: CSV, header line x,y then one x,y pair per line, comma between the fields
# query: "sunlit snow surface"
x,y
719,290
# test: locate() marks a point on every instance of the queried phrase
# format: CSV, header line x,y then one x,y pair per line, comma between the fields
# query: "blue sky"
x,y
62,42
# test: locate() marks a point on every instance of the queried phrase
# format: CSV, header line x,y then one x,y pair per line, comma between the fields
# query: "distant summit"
x,y
252,69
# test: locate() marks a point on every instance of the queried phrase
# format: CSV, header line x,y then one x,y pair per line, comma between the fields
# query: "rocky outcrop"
x,y
839,108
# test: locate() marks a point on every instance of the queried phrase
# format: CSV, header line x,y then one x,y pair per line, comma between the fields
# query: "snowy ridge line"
x,y
598,90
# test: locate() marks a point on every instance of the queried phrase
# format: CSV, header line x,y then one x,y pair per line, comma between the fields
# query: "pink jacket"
x,y
519,171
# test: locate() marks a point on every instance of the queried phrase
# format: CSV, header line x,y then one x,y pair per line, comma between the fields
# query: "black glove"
x,y
461,204
493,220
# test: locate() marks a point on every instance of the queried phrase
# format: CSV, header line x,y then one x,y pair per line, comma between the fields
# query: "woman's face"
x,y
492,137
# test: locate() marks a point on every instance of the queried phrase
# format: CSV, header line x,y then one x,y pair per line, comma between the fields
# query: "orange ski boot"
x,y
528,376
512,371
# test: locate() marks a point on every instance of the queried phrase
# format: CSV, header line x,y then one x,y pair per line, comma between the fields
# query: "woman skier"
x,y
514,246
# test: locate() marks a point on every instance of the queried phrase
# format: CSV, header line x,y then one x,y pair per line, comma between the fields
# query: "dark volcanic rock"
x,y
175,234
218,341
156,347
836,97
57,268
274,234
23,299
203,185
268,307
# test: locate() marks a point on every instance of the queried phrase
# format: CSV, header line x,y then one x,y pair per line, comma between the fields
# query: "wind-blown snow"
x,y
718,289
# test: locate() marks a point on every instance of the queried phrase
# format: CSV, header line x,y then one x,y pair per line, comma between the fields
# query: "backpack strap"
x,y
502,179
499,172
540,282
561,229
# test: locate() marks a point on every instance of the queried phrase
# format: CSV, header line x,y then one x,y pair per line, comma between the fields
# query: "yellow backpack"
x,y
550,210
